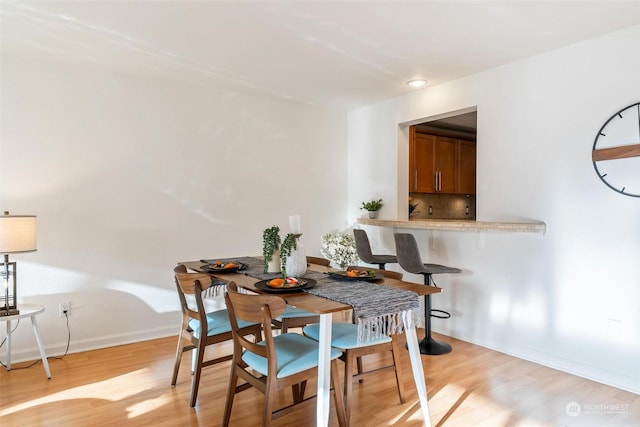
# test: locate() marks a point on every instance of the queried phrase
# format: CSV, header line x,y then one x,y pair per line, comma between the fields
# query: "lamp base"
x,y
8,311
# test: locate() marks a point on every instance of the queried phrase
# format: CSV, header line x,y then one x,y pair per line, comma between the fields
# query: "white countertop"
x,y
459,225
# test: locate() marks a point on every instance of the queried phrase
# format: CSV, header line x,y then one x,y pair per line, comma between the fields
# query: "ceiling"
x,y
460,125
334,54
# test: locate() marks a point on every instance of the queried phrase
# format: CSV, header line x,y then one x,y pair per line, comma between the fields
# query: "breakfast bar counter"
x,y
459,225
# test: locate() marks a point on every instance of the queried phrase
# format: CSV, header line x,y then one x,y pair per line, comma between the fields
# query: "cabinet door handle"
x,y
438,184
415,179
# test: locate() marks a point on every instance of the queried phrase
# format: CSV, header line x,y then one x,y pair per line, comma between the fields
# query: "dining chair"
x,y
196,319
277,362
318,261
294,317
410,260
363,248
344,337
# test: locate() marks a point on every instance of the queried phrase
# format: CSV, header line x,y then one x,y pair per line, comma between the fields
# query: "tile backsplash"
x,y
443,206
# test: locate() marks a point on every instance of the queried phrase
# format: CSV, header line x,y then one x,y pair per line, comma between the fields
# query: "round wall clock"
x,y
616,151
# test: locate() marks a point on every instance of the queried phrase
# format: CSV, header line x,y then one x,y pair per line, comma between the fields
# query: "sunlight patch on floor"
x,y
148,405
454,405
112,389
411,413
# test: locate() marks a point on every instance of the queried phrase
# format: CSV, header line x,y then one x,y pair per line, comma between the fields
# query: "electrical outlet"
x,y
63,308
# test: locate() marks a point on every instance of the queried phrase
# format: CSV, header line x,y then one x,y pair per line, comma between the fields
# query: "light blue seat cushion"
x,y
343,335
294,352
292,312
218,322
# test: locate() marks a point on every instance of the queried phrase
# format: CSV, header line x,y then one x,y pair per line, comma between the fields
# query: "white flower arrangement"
x,y
340,248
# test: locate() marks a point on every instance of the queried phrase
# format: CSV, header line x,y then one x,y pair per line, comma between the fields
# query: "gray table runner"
x,y
379,310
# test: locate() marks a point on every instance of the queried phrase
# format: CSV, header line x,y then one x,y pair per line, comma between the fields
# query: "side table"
x,y
26,310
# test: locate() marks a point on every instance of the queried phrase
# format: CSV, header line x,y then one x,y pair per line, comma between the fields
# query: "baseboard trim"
x,y
58,349
589,372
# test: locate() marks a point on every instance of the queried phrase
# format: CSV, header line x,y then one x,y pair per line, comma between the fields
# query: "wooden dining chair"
x,y
294,317
344,337
195,319
318,261
278,362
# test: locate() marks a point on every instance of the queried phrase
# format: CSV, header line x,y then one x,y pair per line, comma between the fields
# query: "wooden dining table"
x,y
325,308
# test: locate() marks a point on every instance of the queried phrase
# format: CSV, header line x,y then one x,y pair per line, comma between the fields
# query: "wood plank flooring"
x,y
472,386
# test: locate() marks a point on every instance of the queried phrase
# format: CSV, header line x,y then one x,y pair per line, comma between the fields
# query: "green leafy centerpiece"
x,y
270,246
275,250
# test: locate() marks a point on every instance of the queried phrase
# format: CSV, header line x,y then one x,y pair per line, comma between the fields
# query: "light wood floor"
x,y
472,386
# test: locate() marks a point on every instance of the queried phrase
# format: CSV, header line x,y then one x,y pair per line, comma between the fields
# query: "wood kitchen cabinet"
x,y
466,167
440,164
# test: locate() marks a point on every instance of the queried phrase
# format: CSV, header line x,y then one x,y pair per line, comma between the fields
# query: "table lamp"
x,y
17,234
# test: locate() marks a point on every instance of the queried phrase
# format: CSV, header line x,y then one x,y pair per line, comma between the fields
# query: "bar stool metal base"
x,y
428,345
432,347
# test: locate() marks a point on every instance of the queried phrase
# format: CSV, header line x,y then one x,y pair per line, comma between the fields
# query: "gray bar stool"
x,y
363,248
409,259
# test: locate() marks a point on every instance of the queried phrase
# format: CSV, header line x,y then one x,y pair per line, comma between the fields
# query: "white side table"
x,y
26,310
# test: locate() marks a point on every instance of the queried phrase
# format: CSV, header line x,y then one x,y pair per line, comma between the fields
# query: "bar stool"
x,y
410,260
363,248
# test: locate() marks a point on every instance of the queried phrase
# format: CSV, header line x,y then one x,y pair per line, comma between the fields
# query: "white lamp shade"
x,y
17,233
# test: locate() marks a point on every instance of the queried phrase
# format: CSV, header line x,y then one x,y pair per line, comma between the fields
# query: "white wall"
x,y
129,175
568,299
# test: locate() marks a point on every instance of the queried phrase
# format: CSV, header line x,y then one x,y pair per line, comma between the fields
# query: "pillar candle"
x,y
294,224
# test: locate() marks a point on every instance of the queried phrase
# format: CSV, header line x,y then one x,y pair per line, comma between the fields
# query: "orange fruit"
x,y
229,265
352,273
276,283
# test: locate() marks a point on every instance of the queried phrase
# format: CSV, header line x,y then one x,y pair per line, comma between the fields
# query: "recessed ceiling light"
x,y
417,83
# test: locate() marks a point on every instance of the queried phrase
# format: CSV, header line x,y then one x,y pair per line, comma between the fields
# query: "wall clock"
x,y
616,151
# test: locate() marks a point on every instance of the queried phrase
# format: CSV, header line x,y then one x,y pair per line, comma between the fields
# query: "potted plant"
x,y
373,207
271,249
289,244
283,256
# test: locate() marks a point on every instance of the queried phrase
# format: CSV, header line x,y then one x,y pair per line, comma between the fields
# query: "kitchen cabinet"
x,y
440,164
466,167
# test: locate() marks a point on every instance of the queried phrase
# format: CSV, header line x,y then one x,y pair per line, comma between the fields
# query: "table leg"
x,y
324,371
45,362
418,373
8,345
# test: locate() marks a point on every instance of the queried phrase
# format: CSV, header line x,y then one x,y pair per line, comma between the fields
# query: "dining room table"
x,y
250,276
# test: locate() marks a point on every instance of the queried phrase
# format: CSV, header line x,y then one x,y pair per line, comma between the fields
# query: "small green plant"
x,y
270,243
288,245
373,205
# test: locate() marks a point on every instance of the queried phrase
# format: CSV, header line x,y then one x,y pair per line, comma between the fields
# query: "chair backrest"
x,y
386,273
408,253
363,247
190,287
318,261
253,308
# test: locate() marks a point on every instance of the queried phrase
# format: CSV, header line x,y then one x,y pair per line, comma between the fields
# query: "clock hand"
x,y
638,120
621,152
